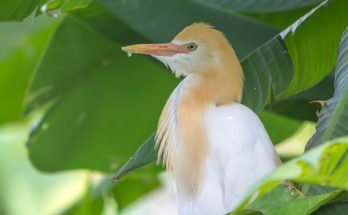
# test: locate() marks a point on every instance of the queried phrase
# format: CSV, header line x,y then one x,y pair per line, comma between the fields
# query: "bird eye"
x,y
191,46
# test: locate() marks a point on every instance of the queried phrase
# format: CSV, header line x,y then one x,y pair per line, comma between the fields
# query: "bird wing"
x,y
241,150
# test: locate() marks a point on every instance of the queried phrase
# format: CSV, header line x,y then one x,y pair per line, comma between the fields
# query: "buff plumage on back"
x,y
181,136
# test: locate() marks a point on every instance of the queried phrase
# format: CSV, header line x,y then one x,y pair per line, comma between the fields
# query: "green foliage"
x,y
279,127
333,117
98,102
69,5
313,54
334,209
273,62
249,36
145,154
21,47
281,201
129,190
16,10
258,6
102,105
326,165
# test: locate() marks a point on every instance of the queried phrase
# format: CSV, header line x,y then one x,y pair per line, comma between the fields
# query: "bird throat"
x,y
181,136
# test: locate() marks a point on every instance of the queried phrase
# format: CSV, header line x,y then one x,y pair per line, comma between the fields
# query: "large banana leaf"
x,y
98,110
306,105
54,8
174,15
21,46
313,54
16,10
281,201
257,5
333,118
333,209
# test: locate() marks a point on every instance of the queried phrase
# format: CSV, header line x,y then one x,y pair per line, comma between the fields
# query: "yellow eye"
x,y
191,46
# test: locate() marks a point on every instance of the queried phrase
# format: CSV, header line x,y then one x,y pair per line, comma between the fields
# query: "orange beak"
x,y
161,49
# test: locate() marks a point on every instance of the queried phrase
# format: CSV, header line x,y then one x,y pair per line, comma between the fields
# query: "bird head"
x,y
197,48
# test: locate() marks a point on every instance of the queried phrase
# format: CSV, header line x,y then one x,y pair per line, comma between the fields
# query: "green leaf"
x,y
89,205
333,118
16,10
337,206
145,154
64,5
267,71
279,127
21,46
298,109
305,105
333,209
332,121
269,68
280,13
326,165
177,14
96,122
281,19
132,188
70,5
280,201
260,6
312,54
103,191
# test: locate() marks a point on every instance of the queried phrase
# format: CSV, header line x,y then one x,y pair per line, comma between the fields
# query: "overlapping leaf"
x,y
173,15
55,7
21,46
333,118
108,109
313,54
281,201
16,10
325,165
257,5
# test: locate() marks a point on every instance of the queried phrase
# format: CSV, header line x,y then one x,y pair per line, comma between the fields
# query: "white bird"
x,y
213,147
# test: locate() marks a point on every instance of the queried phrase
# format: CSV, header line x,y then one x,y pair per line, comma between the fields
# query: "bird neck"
x,y
219,85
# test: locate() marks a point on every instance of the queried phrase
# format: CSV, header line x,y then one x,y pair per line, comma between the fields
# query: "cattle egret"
x,y
213,147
